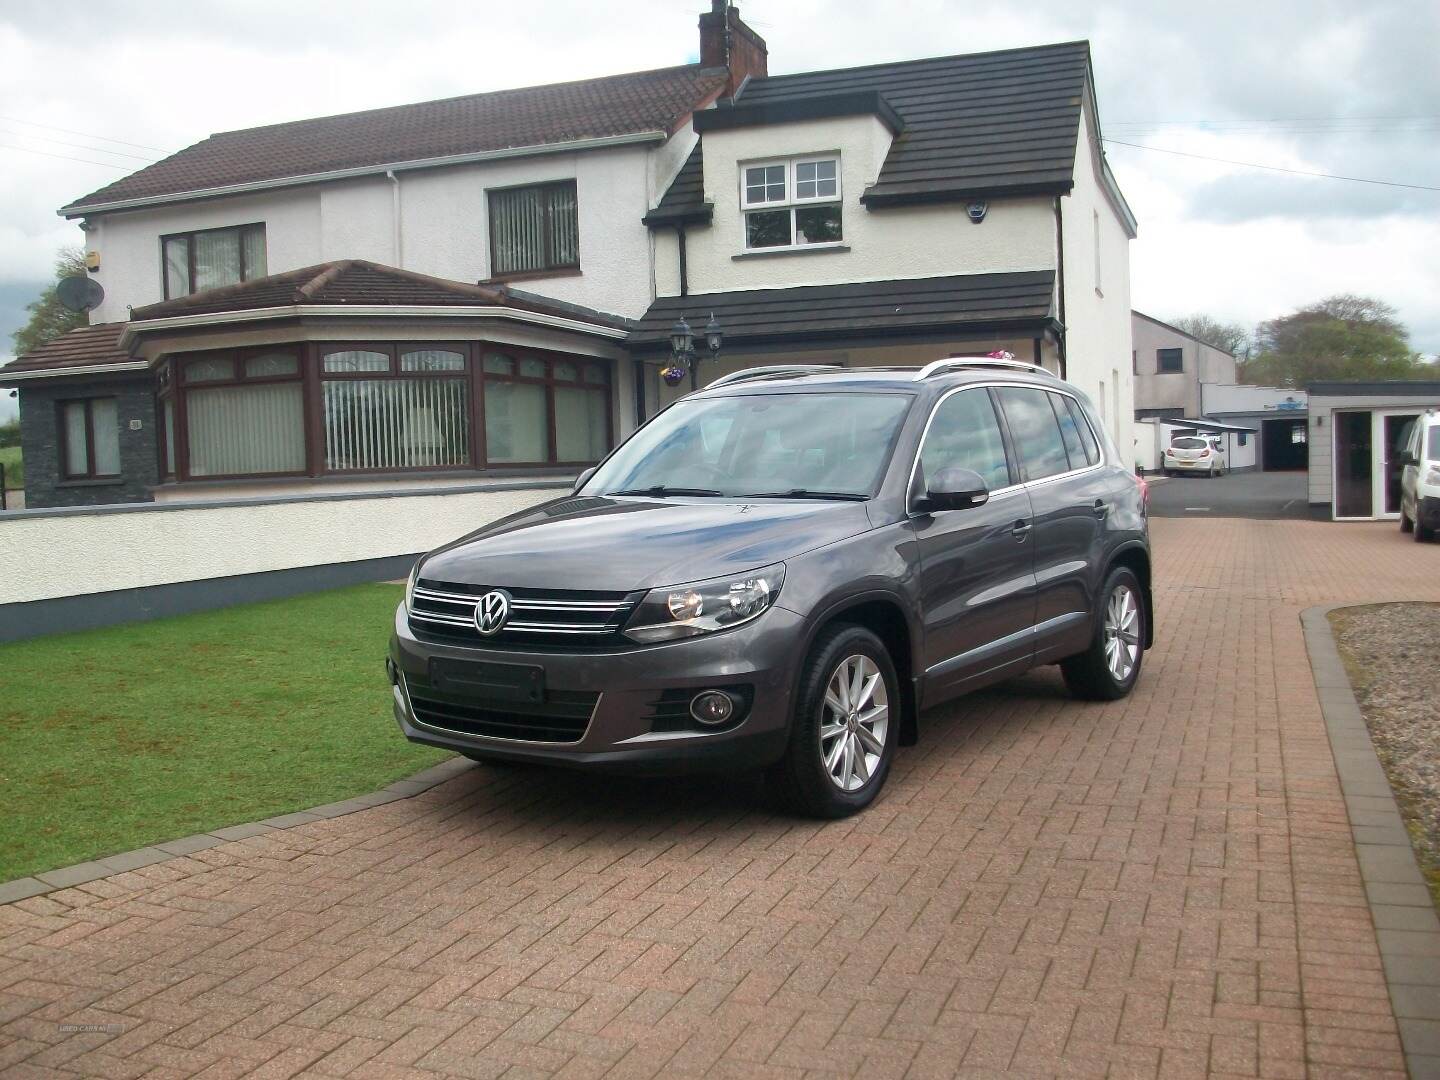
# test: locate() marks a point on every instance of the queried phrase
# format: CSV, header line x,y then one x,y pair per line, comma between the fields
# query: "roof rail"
x,y
939,367
774,371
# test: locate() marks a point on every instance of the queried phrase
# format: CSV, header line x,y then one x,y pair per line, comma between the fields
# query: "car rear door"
x,y
977,577
1070,499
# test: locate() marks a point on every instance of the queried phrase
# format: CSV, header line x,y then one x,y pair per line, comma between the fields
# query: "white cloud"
x,y
165,73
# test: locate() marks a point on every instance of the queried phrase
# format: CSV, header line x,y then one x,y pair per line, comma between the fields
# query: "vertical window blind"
x,y
237,430
395,423
534,228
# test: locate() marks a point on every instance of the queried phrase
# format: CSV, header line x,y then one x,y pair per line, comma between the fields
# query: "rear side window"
x,y
1068,432
1432,451
1082,425
1035,431
966,433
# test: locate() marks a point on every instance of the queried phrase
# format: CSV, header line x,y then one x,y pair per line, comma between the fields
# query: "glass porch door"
x,y
1367,462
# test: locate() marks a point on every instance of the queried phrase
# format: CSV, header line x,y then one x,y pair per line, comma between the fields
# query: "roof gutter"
x,y
350,311
9,377
572,145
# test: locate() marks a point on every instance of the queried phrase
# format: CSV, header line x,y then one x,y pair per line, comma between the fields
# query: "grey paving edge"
x,y
1406,925
65,877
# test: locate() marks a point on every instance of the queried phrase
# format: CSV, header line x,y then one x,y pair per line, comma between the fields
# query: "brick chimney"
x,y
727,42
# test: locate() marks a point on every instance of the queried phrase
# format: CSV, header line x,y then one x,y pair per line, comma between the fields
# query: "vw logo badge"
x,y
492,611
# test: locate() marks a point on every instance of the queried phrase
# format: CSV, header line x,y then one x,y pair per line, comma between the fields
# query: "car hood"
x,y
620,545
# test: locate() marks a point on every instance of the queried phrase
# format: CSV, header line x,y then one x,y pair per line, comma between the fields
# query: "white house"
x,y
486,284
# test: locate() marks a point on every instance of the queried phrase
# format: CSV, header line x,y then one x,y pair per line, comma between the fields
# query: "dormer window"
x,y
791,203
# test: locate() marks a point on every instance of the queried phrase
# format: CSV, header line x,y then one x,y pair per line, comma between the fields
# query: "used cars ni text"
x,y
780,572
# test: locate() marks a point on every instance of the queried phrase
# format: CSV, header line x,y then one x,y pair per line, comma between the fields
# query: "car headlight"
x,y
410,586
703,607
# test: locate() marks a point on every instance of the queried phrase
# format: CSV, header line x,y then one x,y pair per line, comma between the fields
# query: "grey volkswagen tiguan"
x,y
780,572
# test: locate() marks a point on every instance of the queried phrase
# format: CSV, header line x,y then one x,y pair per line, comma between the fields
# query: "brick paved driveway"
x,y
1160,886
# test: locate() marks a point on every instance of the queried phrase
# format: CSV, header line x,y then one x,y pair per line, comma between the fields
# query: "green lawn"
x,y
113,739
14,467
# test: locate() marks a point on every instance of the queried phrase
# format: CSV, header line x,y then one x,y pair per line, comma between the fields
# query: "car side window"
x,y
1082,425
1068,432
965,432
1035,431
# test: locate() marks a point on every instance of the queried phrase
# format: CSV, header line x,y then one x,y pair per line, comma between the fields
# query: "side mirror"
x,y
955,489
582,478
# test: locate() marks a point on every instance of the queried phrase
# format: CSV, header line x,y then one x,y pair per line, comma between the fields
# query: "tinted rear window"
x,y
1189,444
1035,431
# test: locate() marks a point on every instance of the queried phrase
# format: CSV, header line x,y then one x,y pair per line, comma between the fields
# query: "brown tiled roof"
x,y
531,116
361,283
977,124
82,347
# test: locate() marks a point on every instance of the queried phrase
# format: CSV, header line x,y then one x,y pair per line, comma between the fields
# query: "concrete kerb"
x,y
1401,906
66,877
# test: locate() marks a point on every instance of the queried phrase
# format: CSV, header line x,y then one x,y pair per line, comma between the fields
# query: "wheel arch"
x,y
885,615
1136,557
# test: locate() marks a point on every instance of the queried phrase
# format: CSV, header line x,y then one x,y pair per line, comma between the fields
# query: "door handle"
x,y
1021,530
1101,508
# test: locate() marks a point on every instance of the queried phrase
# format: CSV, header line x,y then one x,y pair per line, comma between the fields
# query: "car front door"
x,y
977,576
1070,501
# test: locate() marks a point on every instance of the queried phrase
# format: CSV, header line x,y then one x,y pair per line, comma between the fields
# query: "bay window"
x,y
367,407
210,258
389,408
89,439
791,203
534,229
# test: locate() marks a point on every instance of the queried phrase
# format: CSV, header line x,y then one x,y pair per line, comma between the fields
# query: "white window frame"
x,y
792,200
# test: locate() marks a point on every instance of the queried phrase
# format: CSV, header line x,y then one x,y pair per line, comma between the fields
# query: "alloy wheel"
x,y
854,720
1122,633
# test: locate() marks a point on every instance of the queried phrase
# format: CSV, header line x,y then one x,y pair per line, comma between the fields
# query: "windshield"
x,y
759,444
1189,444
1432,446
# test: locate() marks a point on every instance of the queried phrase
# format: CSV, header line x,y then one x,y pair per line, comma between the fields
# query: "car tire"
x,y
1097,674
808,780
1406,525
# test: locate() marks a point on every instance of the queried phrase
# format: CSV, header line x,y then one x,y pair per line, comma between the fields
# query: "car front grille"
x,y
563,717
569,620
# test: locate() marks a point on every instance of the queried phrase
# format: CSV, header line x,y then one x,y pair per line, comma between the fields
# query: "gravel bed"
x,y
1390,652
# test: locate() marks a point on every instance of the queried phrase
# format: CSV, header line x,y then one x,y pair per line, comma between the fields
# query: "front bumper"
x,y
763,655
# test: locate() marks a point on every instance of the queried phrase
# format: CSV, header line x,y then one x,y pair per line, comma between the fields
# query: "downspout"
x,y
684,273
395,237
1060,274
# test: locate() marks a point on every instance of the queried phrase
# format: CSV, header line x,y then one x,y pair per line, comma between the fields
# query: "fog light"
x,y
712,707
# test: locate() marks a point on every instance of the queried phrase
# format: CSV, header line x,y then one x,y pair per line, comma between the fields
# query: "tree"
x,y
1232,337
1340,337
48,319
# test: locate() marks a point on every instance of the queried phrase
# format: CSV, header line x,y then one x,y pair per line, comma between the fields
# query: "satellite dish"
x,y
79,293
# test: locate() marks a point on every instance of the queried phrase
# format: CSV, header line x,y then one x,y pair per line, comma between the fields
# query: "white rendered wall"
x,y
1097,312
444,227
909,242
1203,365
74,554
1226,397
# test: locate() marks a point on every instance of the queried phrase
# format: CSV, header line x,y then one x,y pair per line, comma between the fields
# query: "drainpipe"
x,y
396,244
1060,274
684,274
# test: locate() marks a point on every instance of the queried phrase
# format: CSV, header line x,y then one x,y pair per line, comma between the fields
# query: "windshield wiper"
x,y
660,491
807,493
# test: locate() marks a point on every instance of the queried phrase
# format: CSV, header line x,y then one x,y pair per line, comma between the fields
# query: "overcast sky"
x,y
1309,85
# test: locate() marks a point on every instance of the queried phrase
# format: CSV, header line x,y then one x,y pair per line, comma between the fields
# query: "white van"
x,y
1420,478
